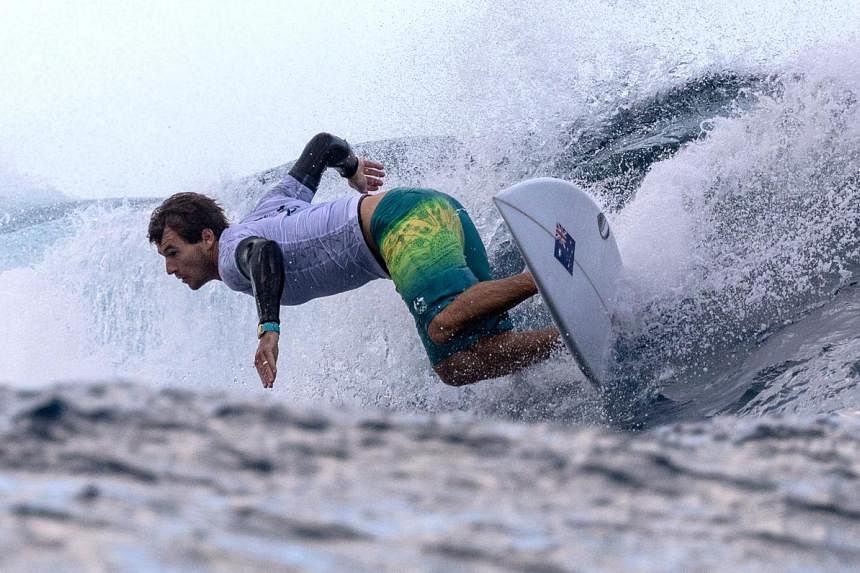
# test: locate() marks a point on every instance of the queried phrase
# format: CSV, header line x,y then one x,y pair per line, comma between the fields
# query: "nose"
x,y
170,267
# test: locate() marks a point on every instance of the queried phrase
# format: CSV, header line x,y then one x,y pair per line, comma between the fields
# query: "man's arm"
x,y
261,261
326,150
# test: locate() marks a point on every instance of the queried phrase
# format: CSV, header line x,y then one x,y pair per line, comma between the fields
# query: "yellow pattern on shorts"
x,y
430,236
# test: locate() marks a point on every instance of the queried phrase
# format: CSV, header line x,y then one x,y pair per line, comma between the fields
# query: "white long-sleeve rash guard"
x,y
323,249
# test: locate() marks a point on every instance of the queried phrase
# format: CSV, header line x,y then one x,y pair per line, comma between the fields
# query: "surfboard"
x,y
570,250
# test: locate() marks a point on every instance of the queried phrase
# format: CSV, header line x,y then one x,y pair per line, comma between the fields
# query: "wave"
x,y
735,206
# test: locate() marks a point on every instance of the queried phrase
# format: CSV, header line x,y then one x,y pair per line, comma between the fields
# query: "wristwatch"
x,y
268,327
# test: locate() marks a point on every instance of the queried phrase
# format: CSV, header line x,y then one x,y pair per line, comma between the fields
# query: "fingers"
x,y
265,364
372,168
373,183
369,176
266,374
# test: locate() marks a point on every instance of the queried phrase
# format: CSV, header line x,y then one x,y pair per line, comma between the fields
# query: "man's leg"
x,y
480,302
428,254
498,355
492,356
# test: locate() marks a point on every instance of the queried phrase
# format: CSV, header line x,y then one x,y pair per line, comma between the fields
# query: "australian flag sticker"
x,y
564,247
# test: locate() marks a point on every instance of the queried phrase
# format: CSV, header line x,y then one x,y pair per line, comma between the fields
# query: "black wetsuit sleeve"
x,y
261,261
324,150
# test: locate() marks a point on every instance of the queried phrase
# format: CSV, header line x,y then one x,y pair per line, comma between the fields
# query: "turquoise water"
x,y
26,246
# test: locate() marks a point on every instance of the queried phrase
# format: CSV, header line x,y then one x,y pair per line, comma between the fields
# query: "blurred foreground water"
x,y
122,477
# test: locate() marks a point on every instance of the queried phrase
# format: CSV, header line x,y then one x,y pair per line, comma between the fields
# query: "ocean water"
x,y
723,142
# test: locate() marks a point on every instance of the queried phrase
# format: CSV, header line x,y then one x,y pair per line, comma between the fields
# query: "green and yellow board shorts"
x,y
433,253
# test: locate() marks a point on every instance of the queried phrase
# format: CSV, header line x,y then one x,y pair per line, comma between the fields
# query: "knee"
x,y
453,379
440,330
456,375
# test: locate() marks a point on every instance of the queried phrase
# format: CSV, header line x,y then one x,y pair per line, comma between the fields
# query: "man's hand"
x,y
266,359
368,177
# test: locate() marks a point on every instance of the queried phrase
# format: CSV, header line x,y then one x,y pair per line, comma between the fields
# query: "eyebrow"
x,y
162,248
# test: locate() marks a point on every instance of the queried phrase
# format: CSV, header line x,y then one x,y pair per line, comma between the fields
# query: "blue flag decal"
x,y
564,247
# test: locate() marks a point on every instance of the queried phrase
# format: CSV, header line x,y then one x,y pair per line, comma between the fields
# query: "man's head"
x,y
186,228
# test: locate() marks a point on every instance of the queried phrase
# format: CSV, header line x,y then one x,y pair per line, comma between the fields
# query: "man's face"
x,y
192,263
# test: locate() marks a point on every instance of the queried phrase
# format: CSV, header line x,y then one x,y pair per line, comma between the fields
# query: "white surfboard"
x,y
571,252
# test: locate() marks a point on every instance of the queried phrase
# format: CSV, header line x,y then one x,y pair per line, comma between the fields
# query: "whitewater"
x,y
723,144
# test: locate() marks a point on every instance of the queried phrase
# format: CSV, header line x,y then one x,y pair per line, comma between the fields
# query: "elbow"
x,y
321,140
317,155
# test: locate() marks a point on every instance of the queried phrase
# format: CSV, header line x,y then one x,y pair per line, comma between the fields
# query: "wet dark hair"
x,y
187,214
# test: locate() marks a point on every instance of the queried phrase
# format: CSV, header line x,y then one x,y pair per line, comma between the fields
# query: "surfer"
x,y
288,251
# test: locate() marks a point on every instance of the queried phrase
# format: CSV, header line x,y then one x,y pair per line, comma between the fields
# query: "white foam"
x,y
100,305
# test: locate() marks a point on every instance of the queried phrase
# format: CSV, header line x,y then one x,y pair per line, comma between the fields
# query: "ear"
x,y
208,237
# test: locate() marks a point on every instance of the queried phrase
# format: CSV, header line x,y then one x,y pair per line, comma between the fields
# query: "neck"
x,y
213,260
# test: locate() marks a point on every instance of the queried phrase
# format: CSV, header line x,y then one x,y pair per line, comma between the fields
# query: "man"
x,y
288,251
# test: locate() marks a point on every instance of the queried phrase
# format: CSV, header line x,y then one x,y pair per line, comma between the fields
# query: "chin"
x,y
197,284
